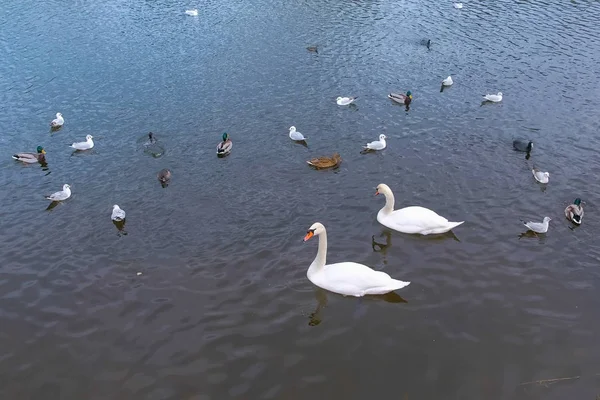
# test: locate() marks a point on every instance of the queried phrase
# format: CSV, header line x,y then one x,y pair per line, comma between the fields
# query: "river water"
x,y
206,296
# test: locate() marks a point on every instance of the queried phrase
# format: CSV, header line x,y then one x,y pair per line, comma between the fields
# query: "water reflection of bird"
x,y
153,147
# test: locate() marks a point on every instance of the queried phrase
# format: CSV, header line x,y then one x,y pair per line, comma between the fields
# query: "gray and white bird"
x,y
377,144
538,227
88,144
117,213
494,98
58,121
62,195
344,101
295,135
541,177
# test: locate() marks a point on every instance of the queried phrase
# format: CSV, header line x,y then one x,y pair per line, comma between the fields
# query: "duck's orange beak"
x,y
309,234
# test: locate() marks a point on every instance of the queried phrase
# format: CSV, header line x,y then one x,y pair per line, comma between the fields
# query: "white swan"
x,y
295,135
448,81
193,12
494,98
412,219
347,278
344,101
118,214
58,121
377,144
541,177
88,144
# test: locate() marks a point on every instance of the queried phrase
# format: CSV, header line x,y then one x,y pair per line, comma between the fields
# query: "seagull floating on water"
x,y
295,135
538,227
58,121
458,5
448,81
540,176
344,101
193,12
377,144
118,214
88,144
62,195
494,98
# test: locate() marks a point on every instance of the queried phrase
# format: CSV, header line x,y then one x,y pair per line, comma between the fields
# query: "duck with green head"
x,y
32,158
574,212
401,98
224,147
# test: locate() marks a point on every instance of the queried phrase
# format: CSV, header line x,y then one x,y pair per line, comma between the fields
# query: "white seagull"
x,y
458,5
295,135
193,12
494,98
448,81
344,101
62,195
538,227
117,214
58,121
541,177
377,144
88,144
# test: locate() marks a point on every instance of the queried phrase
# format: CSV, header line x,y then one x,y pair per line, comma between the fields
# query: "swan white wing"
x,y
414,219
353,279
297,136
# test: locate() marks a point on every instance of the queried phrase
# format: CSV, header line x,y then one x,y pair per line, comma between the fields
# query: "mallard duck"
x,y
118,214
326,162
164,176
541,177
574,212
224,147
62,195
401,98
58,121
538,227
31,158
524,146
344,101
494,98
88,144
313,49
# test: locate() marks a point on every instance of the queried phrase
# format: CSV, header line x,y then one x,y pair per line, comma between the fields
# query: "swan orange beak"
x,y
309,234
376,192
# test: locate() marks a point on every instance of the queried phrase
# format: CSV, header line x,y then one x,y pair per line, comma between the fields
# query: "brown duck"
x,y
326,162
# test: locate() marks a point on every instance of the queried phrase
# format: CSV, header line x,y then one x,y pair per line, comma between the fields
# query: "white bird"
x,y
458,5
58,121
495,98
344,101
295,135
346,278
62,195
541,177
412,219
117,213
448,81
538,227
377,144
88,144
193,12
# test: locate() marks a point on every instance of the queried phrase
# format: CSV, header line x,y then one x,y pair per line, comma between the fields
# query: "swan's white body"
x,y
88,144
117,213
495,98
539,227
62,195
458,5
541,177
344,101
377,144
193,12
58,121
295,135
448,81
412,219
347,278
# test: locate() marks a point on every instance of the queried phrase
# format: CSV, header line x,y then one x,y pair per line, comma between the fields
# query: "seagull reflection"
x,y
120,227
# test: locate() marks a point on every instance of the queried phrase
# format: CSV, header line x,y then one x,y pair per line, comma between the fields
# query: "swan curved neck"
x,y
389,202
321,258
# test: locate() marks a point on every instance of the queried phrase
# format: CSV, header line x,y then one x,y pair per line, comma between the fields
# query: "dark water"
x,y
223,308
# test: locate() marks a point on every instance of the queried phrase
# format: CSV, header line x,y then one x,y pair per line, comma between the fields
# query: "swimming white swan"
x,y
347,278
412,219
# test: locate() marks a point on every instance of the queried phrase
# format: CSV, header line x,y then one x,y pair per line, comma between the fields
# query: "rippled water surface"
x,y
206,296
